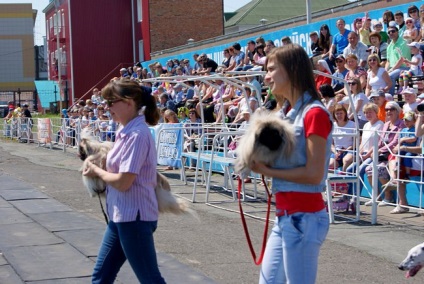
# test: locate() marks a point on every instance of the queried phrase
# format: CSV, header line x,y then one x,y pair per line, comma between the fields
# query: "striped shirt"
x,y
134,151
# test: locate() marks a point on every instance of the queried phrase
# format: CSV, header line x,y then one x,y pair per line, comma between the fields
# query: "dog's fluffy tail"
x,y
169,203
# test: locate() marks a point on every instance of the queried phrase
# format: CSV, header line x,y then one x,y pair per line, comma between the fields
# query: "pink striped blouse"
x,y
134,151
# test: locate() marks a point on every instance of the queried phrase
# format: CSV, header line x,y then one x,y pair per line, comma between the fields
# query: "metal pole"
x,y
308,11
59,56
19,94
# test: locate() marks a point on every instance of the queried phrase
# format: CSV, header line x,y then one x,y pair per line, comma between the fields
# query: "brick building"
x,y
89,41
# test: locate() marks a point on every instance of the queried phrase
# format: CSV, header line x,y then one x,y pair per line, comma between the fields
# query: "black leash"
x,y
103,210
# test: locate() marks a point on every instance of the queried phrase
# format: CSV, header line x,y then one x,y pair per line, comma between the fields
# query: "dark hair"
x,y
412,8
327,91
296,61
324,40
131,90
399,13
270,42
237,46
387,17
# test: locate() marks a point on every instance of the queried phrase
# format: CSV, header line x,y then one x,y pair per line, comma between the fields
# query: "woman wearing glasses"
x,y
131,178
378,78
389,137
356,71
359,100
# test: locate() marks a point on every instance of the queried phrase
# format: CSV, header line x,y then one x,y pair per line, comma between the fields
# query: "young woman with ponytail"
x,y
131,178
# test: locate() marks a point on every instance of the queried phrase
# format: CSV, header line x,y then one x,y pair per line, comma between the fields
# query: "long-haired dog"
x,y
414,261
267,138
90,149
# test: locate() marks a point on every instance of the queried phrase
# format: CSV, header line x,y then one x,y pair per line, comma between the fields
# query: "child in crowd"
x,y
407,138
414,65
411,31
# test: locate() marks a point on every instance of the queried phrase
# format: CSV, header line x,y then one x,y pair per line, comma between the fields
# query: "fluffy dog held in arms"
x,y
91,150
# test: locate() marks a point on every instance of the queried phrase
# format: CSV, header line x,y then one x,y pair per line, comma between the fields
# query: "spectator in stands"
x,y
229,99
357,24
285,40
328,97
232,60
315,47
95,97
379,98
410,33
269,45
410,98
366,147
257,88
400,22
388,140
192,132
407,138
250,52
396,50
365,30
378,28
378,47
123,72
341,72
421,31
180,96
415,65
340,41
209,65
387,18
170,117
359,100
197,65
377,78
343,145
355,71
227,57
244,105
414,13
356,47
258,59
238,57
325,40
322,66
187,67
164,101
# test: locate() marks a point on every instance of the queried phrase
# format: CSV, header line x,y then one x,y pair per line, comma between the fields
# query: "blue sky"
x,y
39,28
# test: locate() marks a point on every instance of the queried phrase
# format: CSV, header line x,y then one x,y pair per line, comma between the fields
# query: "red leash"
x,y
246,230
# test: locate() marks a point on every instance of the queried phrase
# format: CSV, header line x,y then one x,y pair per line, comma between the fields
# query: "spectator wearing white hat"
x,y
123,72
410,98
411,32
415,65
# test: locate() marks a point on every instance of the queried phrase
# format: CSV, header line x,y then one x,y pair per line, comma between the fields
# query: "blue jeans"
x,y
362,168
292,251
132,241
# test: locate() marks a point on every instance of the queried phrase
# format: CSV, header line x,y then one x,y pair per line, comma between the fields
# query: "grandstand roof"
x,y
277,10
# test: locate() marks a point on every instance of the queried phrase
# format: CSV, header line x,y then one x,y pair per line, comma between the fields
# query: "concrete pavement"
x,y
43,240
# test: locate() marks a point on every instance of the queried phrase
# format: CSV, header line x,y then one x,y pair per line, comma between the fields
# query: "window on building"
x,y
140,51
139,10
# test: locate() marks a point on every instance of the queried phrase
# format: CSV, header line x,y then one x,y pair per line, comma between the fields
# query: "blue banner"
x,y
170,144
299,34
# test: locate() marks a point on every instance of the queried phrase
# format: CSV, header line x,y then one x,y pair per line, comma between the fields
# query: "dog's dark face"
x,y
270,137
83,150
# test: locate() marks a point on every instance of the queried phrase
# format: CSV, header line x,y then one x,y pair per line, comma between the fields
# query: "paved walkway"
x,y
45,241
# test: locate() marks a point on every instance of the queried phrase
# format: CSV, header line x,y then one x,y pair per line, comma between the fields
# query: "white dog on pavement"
x,y
414,261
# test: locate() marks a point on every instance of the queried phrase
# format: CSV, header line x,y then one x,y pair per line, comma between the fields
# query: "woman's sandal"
x,y
399,210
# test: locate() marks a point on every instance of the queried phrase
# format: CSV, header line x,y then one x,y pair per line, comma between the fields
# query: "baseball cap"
x,y
378,93
409,91
414,44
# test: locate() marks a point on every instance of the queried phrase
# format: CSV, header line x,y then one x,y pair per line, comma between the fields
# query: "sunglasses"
x,y
110,103
409,22
413,11
378,26
339,61
392,32
372,60
351,83
390,109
